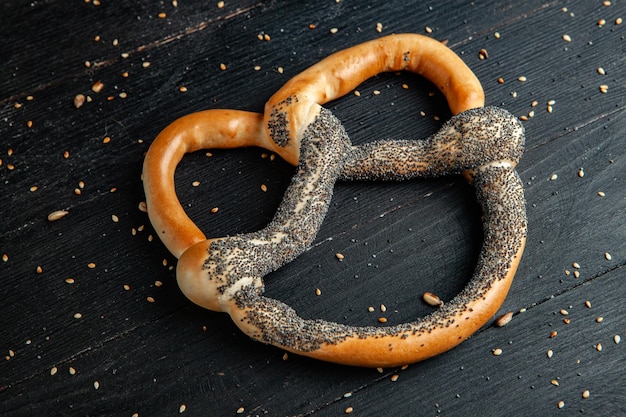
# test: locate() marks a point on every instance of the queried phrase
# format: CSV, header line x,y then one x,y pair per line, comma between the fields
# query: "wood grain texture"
x,y
399,239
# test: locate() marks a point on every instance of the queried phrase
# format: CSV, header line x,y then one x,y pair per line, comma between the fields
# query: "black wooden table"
x,y
92,321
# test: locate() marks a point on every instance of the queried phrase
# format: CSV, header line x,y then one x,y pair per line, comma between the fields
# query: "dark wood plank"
x,y
399,239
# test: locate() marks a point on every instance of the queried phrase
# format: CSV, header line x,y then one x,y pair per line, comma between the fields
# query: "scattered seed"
x,y
581,173
604,88
405,86
115,218
383,308
585,394
56,215
69,280
318,292
618,21
280,70
264,188
339,256
497,352
53,370
496,35
220,4
382,319
599,319
97,86
534,103
223,67
182,408
150,299
601,71
240,410
500,80
428,29
5,257
576,265
601,193
482,54
72,371
567,38
394,377
379,27
126,287
376,92
96,384
143,206
576,274
553,334
39,269
601,22
555,382
357,93
599,347
214,210
564,312
521,79
553,177
504,319
617,338
432,299
29,124
561,404
145,64
334,30
588,304
380,370
370,309
566,321
79,100
349,410
182,89
78,315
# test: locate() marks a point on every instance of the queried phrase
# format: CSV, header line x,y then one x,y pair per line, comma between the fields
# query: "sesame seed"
x,y
96,384
521,78
220,4
318,292
576,274
91,265
382,320
601,193
79,100
564,312
223,66
585,394
496,35
607,256
581,173
357,93
604,88
383,308
497,352
182,89
553,334
567,38
195,183
240,410
370,309
5,257
72,371
39,269
500,80
617,338
405,86
150,299
482,54
126,287
54,370
280,70
97,86
349,410
145,64
428,29
339,256
78,315
143,206
561,404
504,319
432,299
69,280
553,177
257,68
555,382
115,218
56,215
182,408
266,37
601,71
264,188
29,124
601,22
376,92
599,347
618,21
214,210
334,30
599,319
394,377
576,265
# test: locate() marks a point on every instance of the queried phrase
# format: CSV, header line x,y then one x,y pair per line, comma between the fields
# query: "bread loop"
x,y
226,274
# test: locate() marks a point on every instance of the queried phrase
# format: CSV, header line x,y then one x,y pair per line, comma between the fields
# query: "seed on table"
x,y
214,210
383,308
53,371
521,78
599,347
561,404
497,352
617,338
504,319
318,291
382,319
553,177
56,215
555,382
97,86
79,100
601,71
349,410
576,265
588,304
601,193
604,88
96,385
564,312
432,299
339,256
585,394
553,334
581,173
599,319
618,21
567,38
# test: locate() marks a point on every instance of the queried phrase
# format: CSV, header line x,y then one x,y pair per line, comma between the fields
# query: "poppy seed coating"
x,y
485,144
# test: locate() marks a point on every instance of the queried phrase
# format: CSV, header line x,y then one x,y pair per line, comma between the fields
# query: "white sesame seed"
x,y
567,38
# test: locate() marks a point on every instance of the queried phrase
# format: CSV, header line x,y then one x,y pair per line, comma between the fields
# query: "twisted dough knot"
x,y
225,274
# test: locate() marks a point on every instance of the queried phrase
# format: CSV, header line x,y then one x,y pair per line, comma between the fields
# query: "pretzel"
x,y
226,274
